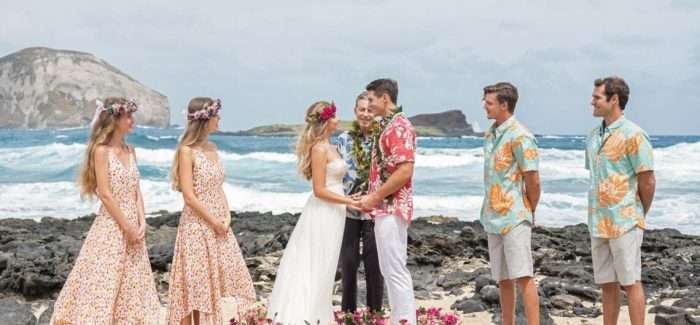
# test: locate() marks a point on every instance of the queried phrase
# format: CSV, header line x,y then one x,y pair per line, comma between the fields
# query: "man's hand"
x,y
368,202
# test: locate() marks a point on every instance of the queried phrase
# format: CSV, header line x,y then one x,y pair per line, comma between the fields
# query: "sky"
x,y
269,60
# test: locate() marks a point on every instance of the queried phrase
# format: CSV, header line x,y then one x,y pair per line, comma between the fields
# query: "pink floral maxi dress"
x,y
111,281
206,267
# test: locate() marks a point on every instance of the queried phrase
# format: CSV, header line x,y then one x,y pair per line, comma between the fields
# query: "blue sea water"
x,y
38,171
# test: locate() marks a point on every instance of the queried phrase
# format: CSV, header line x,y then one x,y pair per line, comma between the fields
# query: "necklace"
x,y
362,156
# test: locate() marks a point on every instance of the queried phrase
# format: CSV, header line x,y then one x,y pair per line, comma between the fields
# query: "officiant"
x,y
358,240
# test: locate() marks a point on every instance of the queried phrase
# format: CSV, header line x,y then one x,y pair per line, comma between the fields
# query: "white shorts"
x,y
510,255
619,259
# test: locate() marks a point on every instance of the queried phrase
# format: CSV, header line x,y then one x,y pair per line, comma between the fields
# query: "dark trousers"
x,y
350,257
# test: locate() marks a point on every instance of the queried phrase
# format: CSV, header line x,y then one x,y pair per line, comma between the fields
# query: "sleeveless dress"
x,y
111,281
206,267
303,288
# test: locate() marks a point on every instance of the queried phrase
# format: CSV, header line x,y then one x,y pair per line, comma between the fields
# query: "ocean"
x,y
38,171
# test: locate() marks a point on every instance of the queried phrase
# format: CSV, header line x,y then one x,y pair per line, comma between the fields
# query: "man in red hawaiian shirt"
x,y
390,198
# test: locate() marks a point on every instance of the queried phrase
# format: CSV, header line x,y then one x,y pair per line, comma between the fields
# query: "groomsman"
x,y
390,198
355,148
512,190
619,158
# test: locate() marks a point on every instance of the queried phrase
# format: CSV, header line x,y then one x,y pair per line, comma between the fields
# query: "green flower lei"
x,y
362,157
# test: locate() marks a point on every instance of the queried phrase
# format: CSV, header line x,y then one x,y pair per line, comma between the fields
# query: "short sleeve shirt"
x,y
614,156
398,145
510,150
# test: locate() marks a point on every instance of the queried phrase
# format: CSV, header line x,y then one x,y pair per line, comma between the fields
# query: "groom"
x,y
390,198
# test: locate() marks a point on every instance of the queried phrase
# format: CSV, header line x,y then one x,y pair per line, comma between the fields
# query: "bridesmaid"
x,y
111,281
207,262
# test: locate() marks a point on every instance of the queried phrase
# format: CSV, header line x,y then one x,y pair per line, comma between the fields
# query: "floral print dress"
x,y
111,281
206,267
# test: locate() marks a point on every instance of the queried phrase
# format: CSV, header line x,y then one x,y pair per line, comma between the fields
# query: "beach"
x,y
447,258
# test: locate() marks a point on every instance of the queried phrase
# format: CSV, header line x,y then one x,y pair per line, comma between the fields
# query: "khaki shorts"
x,y
510,255
618,260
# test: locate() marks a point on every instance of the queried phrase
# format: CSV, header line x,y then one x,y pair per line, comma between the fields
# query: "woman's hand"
x,y
133,234
354,204
221,228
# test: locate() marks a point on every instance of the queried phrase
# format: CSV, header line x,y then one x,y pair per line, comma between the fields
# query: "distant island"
x,y
49,88
452,123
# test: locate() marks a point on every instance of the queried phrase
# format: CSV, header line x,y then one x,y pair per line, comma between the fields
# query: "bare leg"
x,y
187,320
195,315
531,300
507,297
636,300
611,302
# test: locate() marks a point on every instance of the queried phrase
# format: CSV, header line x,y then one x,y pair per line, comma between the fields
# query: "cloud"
x,y
269,60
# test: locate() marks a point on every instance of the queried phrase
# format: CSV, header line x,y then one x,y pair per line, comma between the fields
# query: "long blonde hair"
x,y
195,132
313,133
100,134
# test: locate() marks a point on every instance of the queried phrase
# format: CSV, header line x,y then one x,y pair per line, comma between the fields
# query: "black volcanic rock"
x,y
446,257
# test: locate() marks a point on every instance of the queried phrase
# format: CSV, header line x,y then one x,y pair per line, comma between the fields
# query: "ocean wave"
x,y
73,128
162,137
263,156
52,156
165,156
677,161
441,158
61,199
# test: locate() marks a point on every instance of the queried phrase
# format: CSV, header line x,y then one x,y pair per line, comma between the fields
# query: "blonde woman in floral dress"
x,y
111,281
207,262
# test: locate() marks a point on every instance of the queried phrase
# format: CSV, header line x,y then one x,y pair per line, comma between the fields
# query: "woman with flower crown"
x,y
111,281
303,287
207,262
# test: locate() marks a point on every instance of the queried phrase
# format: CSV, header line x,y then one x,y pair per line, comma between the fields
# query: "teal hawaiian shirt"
x,y
510,150
614,156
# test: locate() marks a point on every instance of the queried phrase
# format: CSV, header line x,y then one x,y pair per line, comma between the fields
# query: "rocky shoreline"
x,y
447,258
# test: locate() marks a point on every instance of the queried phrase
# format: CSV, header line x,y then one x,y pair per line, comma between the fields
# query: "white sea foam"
x,y
445,174
675,163
61,199
51,156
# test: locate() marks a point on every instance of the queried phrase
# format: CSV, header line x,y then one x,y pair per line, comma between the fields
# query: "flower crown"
x,y
115,109
326,114
119,107
207,112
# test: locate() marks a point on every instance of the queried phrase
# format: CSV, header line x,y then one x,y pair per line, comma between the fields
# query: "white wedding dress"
x,y
304,284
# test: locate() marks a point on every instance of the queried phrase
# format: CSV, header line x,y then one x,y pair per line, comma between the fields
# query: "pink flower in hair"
x,y
328,112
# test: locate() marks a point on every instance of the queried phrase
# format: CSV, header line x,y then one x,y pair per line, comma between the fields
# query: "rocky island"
x,y
452,123
42,87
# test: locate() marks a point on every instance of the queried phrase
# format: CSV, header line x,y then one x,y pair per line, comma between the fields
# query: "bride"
x,y
304,284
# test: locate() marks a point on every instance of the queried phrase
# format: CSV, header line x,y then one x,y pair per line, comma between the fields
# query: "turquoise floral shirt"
x,y
510,150
614,156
